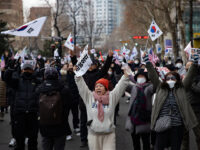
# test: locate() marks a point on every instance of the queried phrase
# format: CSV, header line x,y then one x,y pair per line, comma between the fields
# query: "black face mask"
x,y
27,74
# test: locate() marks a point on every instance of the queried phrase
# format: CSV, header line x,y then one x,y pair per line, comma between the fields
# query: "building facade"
x,y
11,11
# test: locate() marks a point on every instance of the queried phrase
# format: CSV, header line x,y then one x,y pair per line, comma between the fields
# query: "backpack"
x,y
51,108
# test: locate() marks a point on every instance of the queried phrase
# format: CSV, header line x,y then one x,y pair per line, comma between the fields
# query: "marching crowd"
x,y
161,111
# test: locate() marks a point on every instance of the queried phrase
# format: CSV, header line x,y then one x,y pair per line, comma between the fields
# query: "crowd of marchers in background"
x,y
161,111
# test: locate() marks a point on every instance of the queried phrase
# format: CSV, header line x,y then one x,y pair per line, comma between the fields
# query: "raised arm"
x,y
120,88
187,81
152,74
83,89
106,66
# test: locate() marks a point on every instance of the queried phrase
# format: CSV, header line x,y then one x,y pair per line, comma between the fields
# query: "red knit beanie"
x,y
104,82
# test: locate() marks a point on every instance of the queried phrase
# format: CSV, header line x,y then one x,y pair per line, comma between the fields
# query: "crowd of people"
x,y
160,114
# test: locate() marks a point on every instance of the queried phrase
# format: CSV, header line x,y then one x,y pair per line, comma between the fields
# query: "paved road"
x,y
123,138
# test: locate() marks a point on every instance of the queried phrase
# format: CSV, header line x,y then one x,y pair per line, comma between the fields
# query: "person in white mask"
x,y
180,67
171,112
139,112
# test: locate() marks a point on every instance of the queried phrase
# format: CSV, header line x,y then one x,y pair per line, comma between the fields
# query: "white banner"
x,y
134,53
69,43
56,54
154,31
30,29
83,64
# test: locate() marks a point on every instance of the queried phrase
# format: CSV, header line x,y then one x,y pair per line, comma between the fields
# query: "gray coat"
x,y
162,89
148,93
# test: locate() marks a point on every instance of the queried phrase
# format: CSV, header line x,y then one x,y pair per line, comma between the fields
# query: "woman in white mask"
x,y
171,112
139,112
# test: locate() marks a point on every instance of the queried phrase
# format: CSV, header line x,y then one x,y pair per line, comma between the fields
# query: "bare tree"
x,y
73,11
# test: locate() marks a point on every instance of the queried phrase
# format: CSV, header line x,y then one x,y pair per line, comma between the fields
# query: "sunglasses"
x,y
171,78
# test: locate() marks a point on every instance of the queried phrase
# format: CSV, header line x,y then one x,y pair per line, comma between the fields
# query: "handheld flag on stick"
x,y
134,53
29,29
69,43
154,31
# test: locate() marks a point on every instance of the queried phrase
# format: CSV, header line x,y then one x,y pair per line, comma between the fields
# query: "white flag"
x,y
125,51
30,29
158,48
83,63
188,48
141,55
69,42
154,31
56,53
134,53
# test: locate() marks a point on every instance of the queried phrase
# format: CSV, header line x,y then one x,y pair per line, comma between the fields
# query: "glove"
x,y
146,58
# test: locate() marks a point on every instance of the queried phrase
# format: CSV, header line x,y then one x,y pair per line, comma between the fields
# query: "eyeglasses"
x,y
171,78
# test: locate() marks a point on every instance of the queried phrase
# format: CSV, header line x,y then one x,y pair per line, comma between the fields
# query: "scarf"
x,y
102,100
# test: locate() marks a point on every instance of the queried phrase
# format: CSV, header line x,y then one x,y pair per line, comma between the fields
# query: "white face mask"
x,y
179,65
171,83
141,80
136,62
169,62
109,72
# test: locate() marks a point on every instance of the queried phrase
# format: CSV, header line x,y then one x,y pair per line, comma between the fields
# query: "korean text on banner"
x,y
83,64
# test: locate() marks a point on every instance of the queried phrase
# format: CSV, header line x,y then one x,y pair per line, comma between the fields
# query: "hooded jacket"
x,y
162,90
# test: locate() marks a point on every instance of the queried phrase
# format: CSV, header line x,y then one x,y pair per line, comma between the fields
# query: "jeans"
x,y
53,143
170,138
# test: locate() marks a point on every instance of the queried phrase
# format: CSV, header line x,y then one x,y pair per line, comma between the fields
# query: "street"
x,y
123,140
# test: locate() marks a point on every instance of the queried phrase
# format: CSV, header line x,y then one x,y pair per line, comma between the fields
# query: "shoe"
x,y
26,141
69,137
77,131
12,142
84,144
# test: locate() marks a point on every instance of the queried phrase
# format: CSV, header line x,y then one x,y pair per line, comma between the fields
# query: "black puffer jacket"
x,y
61,129
72,85
26,100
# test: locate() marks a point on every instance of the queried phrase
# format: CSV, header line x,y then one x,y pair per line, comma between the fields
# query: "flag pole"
x,y
146,44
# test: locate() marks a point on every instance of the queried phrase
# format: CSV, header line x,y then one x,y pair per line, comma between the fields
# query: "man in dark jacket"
x,y
74,103
53,135
91,76
25,106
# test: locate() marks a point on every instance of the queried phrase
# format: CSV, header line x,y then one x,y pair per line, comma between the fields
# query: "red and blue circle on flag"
x,y
153,29
71,40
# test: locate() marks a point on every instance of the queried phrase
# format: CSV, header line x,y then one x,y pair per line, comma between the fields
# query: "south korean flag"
x,y
154,31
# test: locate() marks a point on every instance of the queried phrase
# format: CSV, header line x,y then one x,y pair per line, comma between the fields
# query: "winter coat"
x,y
96,126
148,93
26,100
49,86
72,85
162,90
193,95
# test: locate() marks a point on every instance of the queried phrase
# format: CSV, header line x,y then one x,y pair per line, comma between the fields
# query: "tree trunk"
x,y
191,22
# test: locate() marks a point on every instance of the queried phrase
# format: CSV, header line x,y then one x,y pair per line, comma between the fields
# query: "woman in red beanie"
x,y
100,106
